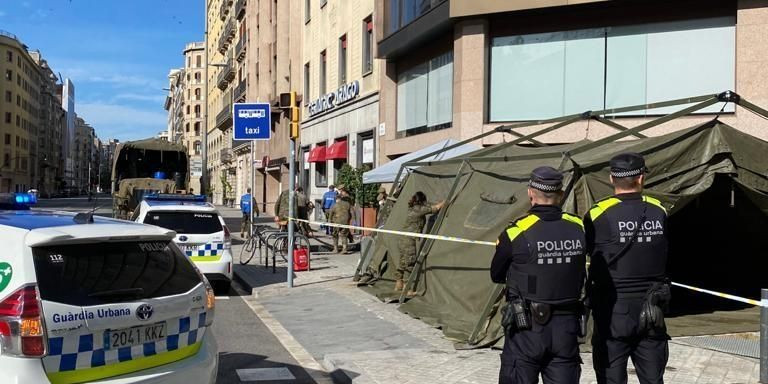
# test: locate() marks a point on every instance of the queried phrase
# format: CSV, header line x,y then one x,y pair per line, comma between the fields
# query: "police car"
x,y
200,232
91,299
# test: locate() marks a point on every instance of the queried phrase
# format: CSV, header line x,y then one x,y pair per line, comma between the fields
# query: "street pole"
x,y
253,187
204,155
291,208
764,336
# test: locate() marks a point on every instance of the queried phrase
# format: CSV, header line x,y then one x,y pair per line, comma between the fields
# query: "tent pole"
x,y
752,107
643,127
427,243
617,126
498,289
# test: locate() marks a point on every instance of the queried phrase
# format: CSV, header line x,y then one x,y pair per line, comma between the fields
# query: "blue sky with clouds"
x,y
117,53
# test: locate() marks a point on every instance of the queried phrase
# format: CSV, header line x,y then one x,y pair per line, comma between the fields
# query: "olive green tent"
x,y
710,163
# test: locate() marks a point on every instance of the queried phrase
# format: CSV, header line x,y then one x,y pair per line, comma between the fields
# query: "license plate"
x,y
188,248
128,337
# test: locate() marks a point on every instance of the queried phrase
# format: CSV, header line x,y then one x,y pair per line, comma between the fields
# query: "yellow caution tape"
x,y
401,233
758,303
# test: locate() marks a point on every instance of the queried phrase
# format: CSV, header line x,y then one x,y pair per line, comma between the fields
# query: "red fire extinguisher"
x,y
300,259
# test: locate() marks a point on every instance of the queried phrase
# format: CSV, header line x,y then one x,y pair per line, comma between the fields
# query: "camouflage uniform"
x,y
414,222
341,213
281,207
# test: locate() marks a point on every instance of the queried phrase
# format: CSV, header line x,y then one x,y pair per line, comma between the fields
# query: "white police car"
x,y
91,299
200,232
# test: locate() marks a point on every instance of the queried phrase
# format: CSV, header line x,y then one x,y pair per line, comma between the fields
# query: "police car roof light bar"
x,y
174,197
17,201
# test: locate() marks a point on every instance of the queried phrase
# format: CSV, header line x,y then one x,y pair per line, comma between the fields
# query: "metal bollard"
x,y
764,336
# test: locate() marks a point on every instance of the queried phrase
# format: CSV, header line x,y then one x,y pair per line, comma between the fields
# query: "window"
x,y
198,61
197,143
399,13
186,127
323,64
321,171
198,93
18,121
368,45
18,100
194,223
342,60
306,84
197,111
187,109
560,73
307,10
8,97
10,57
425,96
197,129
9,75
323,3
7,139
189,61
365,150
18,141
8,117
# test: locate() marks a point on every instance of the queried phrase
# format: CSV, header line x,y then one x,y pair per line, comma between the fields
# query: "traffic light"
x,y
294,114
287,100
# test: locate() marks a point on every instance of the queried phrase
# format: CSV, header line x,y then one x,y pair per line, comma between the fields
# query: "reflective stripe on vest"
x,y
601,206
655,202
521,225
573,219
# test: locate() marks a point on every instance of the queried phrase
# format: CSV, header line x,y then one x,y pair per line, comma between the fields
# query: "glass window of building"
x,y
323,68
553,74
321,171
197,128
425,96
306,95
399,13
368,44
9,74
307,10
342,60
8,96
10,57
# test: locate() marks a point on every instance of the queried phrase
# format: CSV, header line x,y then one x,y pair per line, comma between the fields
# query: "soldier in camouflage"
x,y
341,213
281,208
418,209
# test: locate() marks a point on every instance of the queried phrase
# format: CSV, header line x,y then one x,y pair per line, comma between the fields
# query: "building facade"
x,y
194,105
51,124
458,68
85,152
340,94
253,47
174,103
19,115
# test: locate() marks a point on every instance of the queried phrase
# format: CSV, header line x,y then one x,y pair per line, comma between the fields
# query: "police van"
x,y
200,232
92,299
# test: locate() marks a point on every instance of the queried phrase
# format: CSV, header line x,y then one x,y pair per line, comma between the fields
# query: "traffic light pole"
x,y
291,208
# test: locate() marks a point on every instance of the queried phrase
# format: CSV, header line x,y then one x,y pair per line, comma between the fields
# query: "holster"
x,y
655,304
515,316
583,321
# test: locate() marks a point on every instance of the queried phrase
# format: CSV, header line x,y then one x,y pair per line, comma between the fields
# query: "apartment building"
x,y
85,151
194,105
19,114
340,93
253,47
458,68
52,122
174,104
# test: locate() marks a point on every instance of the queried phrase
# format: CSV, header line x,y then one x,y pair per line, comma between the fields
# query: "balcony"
x,y
224,10
226,75
226,155
241,48
240,9
224,117
240,91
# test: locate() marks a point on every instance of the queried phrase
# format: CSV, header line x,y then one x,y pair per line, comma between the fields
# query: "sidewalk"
x,y
359,339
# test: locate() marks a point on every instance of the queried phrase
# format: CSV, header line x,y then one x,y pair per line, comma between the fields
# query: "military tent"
x,y
712,178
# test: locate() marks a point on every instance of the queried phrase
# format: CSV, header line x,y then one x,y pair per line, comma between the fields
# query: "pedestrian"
x,y
541,258
281,209
247,203
329,199
627,289
342,213
381,199
415,219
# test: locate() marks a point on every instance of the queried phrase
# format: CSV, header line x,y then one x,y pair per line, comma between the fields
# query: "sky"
x,y
116,52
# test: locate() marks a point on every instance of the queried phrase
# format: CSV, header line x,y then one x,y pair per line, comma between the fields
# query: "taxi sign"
x,y
252,121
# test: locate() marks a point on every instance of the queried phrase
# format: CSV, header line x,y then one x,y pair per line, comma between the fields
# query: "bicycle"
x,y
253,243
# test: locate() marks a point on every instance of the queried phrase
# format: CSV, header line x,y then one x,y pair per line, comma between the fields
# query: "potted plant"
x,y
364,195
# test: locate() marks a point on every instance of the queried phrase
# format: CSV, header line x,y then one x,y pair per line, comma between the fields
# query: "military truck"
x,y
146,166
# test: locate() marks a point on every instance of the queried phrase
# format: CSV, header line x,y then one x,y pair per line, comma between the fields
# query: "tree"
x,y
352,179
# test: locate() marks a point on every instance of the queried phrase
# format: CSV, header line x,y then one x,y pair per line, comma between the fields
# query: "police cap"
x,y
546,179
628,164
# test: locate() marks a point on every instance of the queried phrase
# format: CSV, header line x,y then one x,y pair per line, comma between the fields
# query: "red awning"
x,y
317,154
337,151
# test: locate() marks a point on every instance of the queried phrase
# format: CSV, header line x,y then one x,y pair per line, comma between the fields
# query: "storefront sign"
x,y
329,101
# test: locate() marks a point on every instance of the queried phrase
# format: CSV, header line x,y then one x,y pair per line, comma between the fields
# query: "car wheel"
x,y
222,287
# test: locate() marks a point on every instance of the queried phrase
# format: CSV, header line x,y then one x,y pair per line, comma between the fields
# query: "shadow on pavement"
x,y
229,363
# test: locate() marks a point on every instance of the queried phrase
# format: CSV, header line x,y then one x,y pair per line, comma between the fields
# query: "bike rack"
x,y
299,238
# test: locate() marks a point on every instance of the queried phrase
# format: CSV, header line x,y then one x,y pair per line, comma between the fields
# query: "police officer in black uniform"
x,y
541,259
627,288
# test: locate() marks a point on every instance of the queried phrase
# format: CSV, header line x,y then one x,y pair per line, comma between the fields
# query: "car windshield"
x,y
104,273
194,223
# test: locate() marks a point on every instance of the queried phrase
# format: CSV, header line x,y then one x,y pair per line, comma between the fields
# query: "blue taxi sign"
x,y
252,121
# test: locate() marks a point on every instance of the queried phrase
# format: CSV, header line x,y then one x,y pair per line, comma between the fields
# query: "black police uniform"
x,y
541,258
627,242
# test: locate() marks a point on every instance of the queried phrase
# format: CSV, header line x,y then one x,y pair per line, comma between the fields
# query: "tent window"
x,y
490,206
560,73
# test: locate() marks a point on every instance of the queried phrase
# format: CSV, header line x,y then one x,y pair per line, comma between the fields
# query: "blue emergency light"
x,y
17,201
174,197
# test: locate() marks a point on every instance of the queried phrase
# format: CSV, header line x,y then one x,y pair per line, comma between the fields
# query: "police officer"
x,y
247,202
541,259
329,199
627,241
